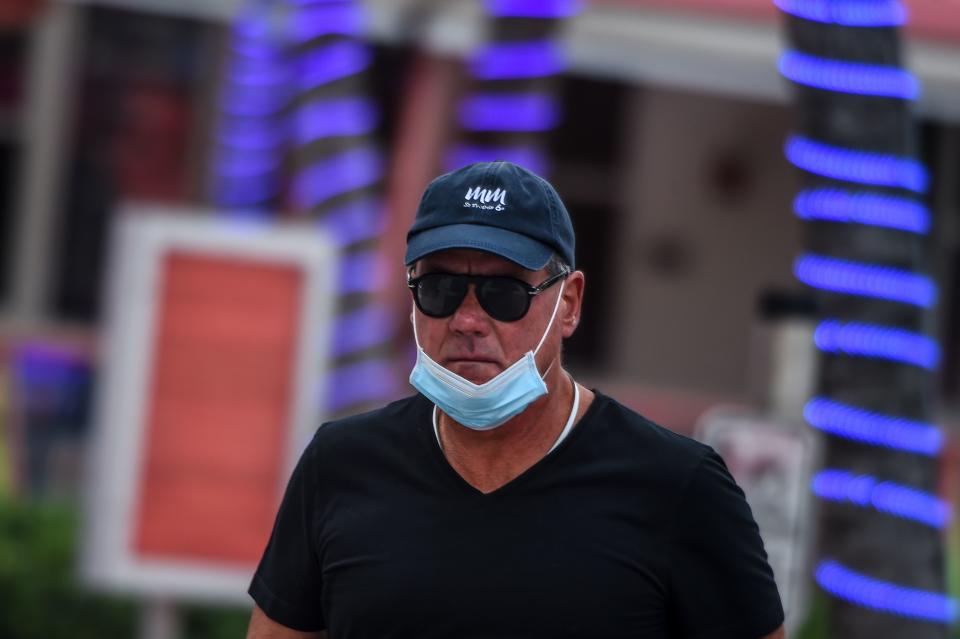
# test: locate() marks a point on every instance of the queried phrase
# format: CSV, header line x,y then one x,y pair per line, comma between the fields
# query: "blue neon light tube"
x,y
254,135
847,13
245,192
859,424
866,280
251,50
327,19
509,112
884,596
333,62
861,167
348,171
259,75
837,205
336,117
232,165
532,8
364,328
849,77
243,101
888,497
357,221
880,342
518,60
361,273
370,380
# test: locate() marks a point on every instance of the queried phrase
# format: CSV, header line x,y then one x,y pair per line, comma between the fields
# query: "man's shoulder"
x,y
637,434
397,415
365,444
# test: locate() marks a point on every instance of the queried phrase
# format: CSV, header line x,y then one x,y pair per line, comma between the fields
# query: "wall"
x,y
707,225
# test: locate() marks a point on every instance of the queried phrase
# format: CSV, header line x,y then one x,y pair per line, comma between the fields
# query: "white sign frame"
x,y
732,423
142,237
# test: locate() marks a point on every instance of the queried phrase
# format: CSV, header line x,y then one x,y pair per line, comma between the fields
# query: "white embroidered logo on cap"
x,y
486,199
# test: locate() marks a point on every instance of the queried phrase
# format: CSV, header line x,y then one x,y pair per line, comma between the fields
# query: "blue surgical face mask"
x,y
488,405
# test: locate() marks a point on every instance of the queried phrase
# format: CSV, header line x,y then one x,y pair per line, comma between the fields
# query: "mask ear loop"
x,y
547,332
413,322
552,317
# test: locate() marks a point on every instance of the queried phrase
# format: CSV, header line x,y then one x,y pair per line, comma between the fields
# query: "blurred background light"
x,y
357,221
509,112
251,102
880,342
332,62
361,329
347,171
346,116
532,8
248,165
322,19
251,136
849,77
859,424
243,192
884,596
854,278
255,50
514,60
260,78
361,272
837,205
887,497
847,13
861,167
367,381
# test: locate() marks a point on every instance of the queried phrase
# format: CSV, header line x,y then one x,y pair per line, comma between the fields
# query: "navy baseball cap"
x,y
497,207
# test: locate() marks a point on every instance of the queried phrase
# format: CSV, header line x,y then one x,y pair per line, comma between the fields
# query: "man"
x,y
506,500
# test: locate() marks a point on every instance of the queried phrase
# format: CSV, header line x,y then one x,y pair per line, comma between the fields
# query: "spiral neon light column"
x,y
250,138
337,181
297,132
867,228
512,104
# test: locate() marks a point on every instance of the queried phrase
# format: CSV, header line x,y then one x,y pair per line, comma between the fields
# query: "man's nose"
x,y
470,316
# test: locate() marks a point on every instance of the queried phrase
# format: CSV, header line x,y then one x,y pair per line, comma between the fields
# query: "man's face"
x,y
477,347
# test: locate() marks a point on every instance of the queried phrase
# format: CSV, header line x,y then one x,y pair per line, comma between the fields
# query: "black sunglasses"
x,y
505,299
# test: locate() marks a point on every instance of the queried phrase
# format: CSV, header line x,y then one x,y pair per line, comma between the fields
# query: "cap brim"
x,y
527,252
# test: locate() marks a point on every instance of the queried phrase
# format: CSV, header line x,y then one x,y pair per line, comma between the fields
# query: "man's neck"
x,y
488,460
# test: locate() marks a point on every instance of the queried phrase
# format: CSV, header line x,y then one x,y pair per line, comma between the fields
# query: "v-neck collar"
x,y
438,456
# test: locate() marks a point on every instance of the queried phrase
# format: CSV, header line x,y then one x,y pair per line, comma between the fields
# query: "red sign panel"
x,y
217,422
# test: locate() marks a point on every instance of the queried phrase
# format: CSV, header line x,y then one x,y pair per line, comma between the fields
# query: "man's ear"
x,y
572,302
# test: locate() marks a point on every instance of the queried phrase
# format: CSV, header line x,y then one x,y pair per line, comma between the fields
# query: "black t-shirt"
x,y
624,530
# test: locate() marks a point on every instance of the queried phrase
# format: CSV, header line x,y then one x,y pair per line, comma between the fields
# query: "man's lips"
x,y
469,360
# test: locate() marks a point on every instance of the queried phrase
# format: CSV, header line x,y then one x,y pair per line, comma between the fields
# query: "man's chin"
x,y
476,372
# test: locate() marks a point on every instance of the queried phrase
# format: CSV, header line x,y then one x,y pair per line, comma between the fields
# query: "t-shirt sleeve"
x,y
287,584
721,585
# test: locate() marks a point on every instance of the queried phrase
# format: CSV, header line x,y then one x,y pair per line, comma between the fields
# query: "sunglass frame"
x,y
476,280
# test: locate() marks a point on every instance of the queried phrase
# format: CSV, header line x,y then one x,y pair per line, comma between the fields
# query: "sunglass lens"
x,y
439,294
503,298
